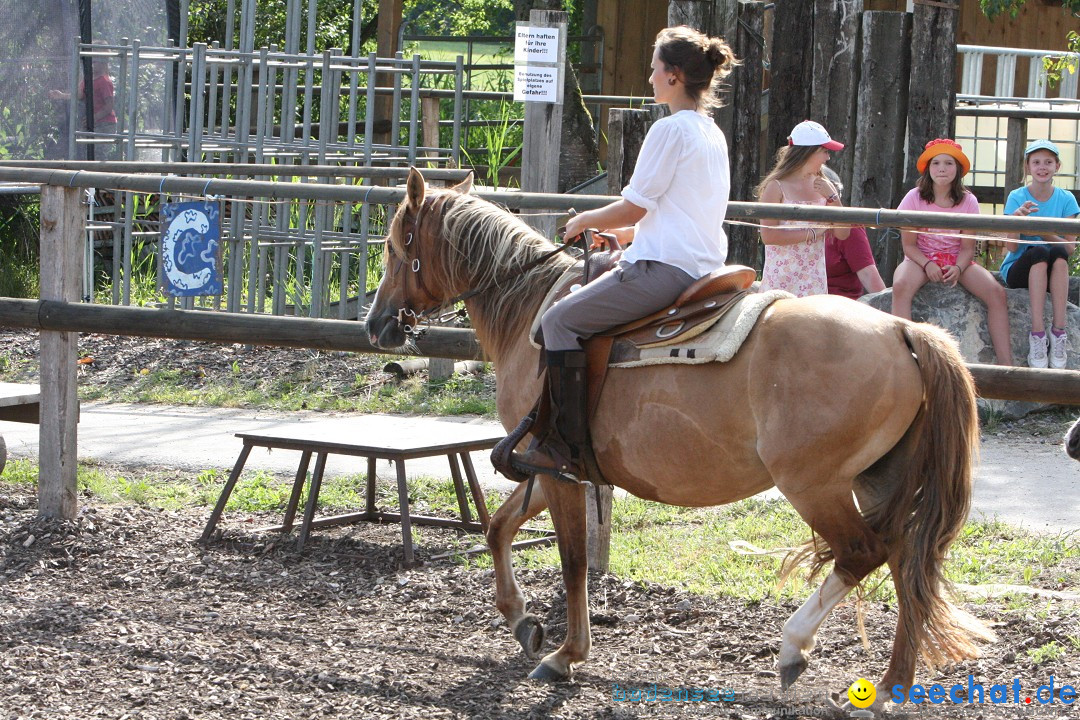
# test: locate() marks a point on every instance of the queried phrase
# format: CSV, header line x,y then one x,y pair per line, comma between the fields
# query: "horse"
x,y
832,402
1072,441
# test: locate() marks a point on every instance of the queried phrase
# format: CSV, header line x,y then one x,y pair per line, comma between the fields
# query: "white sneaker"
x,y
1037,351
1057,350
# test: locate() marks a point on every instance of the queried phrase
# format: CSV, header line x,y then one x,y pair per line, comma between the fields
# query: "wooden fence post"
x,y
791,70
626,133
62,235
543,136
836,75
745,138
879,140
712,17
1016,141
599,533
931,91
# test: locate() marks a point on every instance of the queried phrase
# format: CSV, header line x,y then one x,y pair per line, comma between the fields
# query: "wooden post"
x,y
62,235
599,533
931,90
836,75
626,133
791,71
543,136
386,37
440,368
745,138
1016,141
429,120
879,141
712,17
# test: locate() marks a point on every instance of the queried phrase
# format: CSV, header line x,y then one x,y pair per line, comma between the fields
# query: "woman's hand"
x,y
825,189
933,272
576,225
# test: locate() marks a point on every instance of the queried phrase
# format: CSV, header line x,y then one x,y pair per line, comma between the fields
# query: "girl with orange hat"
x,y
944,256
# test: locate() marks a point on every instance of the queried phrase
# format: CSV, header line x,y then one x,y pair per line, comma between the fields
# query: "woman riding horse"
x,y
673,210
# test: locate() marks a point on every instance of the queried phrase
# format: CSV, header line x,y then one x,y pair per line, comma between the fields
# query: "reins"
x,y
410,229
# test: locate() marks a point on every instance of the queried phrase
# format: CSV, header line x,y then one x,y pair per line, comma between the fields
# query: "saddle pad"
x,y
717,344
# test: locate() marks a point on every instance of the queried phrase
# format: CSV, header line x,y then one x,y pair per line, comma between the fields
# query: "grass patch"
x,y
734,550
459,395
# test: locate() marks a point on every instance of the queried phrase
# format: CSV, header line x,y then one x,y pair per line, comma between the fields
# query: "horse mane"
x,y
484,246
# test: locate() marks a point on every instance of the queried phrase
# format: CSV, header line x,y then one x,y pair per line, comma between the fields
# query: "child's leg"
x,y
907,279
1037,295
980,283
1059,290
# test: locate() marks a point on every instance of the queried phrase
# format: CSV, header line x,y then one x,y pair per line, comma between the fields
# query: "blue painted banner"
x,y
191,249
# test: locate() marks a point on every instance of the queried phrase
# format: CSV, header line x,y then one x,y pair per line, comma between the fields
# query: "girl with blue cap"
x,y
1040,263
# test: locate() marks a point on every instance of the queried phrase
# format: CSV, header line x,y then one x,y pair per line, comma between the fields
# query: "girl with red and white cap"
x,y
795,251
946,256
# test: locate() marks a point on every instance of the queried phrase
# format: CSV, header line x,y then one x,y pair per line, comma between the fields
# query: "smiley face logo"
x,y
862,693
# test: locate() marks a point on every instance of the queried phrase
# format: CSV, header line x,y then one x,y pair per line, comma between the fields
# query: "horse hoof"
x,y
790,673
530,634
547,673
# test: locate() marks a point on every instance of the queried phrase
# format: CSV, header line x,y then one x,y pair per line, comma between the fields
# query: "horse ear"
x,y
465,186
414,190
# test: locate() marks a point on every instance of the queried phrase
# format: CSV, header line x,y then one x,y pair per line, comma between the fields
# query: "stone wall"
x,y
964,316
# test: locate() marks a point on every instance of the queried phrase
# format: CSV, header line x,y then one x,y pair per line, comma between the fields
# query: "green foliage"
x,y
458,17
993,8
19,246
1057,65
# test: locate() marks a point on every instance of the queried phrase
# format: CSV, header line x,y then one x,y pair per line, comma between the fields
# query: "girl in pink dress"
x,y
795,252
945,256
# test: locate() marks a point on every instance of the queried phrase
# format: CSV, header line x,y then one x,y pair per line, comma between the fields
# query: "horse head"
x,y
416,279
1072,441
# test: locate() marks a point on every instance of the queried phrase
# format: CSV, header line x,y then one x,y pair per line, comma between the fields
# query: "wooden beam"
x,y
931,90
791,71
270,330
745,140
62,238
542,133
1061,387
386,39
1016,141
836,76
879,141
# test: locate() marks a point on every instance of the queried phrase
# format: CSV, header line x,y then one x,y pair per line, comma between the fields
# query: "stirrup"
x,y
531,471
503,452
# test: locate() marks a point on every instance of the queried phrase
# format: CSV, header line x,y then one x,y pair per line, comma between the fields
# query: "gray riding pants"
x,y
625,293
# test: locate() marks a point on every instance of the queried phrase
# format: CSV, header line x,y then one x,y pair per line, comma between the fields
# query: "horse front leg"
x,y
504,525
567,504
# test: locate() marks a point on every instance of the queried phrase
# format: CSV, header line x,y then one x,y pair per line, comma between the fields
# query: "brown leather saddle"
x,y
698,308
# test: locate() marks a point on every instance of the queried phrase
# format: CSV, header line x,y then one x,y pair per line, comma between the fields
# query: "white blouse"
x,y
683,181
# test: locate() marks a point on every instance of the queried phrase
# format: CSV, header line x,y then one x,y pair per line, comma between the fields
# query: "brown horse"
x,y
831,401
1072,441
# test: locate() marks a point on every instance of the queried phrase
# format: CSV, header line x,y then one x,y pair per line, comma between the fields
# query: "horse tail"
x,y
931,501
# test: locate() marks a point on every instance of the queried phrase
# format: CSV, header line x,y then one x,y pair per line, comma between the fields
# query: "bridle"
x,y
410,319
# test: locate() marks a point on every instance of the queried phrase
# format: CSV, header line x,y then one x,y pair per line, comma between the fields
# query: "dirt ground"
x,y
121,614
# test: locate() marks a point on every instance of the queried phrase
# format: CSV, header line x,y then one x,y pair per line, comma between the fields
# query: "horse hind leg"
x,y
528,630
856,552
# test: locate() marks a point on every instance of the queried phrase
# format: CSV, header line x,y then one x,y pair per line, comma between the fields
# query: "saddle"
x,y
697,309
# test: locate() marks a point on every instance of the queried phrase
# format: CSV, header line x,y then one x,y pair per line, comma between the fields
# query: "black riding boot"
x,y
558,446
